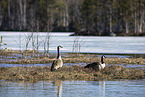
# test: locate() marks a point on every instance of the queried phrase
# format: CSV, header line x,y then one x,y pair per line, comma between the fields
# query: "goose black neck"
x,y
102,60
57,52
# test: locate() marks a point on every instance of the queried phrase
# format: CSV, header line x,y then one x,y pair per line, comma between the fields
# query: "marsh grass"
x,y
69,58
82,59
70,73
3,52
73,72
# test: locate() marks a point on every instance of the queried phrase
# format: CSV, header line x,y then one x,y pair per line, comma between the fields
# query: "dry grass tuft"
x,y
120,72
70,73
79,59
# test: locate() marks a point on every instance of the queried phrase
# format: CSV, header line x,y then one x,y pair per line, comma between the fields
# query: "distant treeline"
x,y
96,17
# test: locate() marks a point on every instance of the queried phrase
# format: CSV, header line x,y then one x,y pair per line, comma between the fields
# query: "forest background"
x,y
84,17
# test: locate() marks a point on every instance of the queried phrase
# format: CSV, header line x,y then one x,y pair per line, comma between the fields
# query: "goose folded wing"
x,y
56,64
92,65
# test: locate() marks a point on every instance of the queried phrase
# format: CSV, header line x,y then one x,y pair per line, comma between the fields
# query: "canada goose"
x,y
97,65
58,62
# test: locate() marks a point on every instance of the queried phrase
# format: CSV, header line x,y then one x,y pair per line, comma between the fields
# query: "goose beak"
x,y
104,56
60,46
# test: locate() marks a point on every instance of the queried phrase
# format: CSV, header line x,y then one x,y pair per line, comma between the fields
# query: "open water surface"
x,y
68,64
127,88
87,44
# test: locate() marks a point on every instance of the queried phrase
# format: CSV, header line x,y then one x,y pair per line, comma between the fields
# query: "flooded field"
x,y
125,56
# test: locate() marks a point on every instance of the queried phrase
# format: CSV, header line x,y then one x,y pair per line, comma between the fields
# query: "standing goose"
x,y
97,65
58,62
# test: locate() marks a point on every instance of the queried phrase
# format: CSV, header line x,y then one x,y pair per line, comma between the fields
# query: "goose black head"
x,y
102,57
58,55
60,46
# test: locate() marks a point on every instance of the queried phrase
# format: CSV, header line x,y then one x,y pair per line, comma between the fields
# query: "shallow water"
x,y
127,88
29,65
88,44
69,64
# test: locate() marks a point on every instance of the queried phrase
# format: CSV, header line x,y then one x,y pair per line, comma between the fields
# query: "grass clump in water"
x,y
78,59
120,72
70,73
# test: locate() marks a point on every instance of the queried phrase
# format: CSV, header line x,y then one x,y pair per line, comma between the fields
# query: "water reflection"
x,y
58,83
58,88
31,89
101,88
